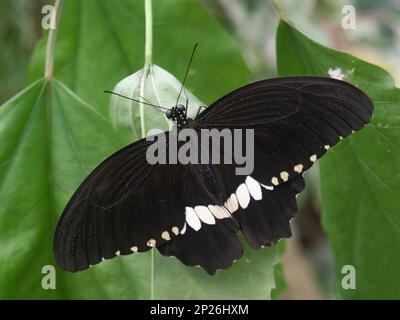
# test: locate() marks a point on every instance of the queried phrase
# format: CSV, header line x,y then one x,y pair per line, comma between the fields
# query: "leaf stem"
x,y
148,53
51,43
280,10
149,33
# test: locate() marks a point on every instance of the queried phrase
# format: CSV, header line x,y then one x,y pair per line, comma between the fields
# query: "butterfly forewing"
x,y
295,119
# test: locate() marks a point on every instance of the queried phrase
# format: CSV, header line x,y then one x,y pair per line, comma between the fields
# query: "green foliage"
x,y
359,177
53,141
17,38
99,42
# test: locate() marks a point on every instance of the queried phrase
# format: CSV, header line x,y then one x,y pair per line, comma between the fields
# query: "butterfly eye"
x,y
168,114
180,107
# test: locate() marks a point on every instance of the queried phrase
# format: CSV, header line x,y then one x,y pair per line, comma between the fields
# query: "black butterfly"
x,y
194,212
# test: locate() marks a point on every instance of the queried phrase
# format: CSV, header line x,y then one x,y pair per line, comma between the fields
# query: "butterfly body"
x,y
194,210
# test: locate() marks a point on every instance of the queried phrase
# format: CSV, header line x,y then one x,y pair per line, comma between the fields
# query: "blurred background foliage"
x,y
252,22
308,262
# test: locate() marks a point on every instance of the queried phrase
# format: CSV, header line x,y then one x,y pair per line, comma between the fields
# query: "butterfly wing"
x,y
295,120
114,210
215,246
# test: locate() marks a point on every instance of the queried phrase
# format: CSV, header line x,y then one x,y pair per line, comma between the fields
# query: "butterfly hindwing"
x,y
266,221
263,222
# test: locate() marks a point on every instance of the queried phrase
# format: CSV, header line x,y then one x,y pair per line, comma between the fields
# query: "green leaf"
x,y
100,42
360,177
280,282
53,140
251,277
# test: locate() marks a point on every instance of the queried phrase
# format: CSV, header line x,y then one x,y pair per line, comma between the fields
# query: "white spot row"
x,y
284,175
152,242
164,235
251,188
298,168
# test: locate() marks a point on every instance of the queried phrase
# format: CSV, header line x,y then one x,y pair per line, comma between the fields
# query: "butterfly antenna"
x,y
139,101
187,71
144,99
148,102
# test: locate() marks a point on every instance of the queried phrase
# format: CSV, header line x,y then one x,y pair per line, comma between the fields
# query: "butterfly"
x,y
195,211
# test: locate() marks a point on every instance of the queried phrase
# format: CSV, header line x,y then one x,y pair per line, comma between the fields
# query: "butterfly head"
x,y
177,114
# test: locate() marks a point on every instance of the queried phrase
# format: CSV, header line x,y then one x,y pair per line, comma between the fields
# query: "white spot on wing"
x,y
117,253
175,230
232,203
284,176
204,214
151,243
327,147
298,168
275,181
225,213
183,229
267,187
192,219
165,235
313,158
254,188
134,249
219,212
243,195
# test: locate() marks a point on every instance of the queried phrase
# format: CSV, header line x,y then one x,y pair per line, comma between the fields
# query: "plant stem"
x,y
148,53
51,43
279,8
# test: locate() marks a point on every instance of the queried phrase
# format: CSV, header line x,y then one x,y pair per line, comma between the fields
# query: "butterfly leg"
x,y
198,111
186,105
